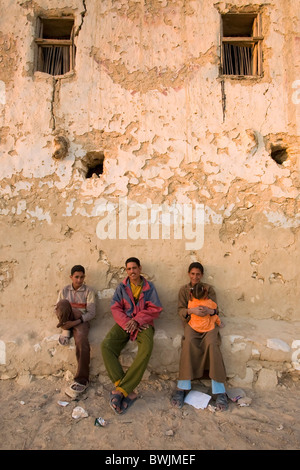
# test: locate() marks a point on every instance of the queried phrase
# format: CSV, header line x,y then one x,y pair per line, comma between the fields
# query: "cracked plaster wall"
x,y
147,94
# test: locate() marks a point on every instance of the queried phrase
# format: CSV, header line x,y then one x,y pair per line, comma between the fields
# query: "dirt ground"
x,y
32,419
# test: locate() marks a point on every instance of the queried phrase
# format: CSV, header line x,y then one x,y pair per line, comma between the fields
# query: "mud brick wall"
x,y
147,112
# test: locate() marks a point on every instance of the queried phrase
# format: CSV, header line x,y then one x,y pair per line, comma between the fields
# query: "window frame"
x,y
254,40
42,42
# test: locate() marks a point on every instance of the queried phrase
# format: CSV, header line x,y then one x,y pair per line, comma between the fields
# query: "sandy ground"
x,y
32,419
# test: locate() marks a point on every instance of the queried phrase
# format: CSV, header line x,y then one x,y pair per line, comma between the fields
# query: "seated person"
x,y
134,307
74,309
200,351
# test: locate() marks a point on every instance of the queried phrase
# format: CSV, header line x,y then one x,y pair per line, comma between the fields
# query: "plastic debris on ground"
x,y
62,403
238,395
245,401
79,412
100,422
235,394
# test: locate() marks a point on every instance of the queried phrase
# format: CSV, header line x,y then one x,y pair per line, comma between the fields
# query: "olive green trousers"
x,y
112,345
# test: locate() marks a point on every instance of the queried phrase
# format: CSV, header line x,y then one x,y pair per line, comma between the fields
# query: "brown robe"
x,y
200,352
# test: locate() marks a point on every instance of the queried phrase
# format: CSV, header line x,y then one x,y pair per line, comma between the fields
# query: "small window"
x,y
241,45
55,45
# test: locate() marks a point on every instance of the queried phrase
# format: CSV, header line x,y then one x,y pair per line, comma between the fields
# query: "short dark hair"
x,y
133,260
77,268
196,265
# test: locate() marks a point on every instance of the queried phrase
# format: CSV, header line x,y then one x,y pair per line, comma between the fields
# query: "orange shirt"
x,y
203,324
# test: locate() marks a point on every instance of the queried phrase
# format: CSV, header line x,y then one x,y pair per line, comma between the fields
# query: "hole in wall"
x,y
95,170
279,154
93,162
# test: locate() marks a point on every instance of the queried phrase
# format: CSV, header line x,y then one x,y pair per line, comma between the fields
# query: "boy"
x,y
74,309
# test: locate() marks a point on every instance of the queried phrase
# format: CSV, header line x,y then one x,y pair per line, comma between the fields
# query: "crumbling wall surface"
x,y
146,98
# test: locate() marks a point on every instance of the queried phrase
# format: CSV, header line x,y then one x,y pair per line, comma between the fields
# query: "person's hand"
x,y
143,327
131,326
200,311
222,324
70,324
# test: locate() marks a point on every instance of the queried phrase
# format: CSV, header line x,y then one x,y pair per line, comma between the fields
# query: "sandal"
x,y
129,402
76,389
177,399
115,402
63,340
222,402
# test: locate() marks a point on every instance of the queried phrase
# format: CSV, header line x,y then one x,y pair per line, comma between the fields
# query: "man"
x,y
75,308
134,307
199,351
